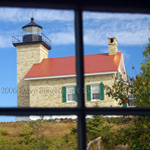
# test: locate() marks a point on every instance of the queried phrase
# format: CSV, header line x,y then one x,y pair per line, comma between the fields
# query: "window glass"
x,y
116,50
34,29
53,52
41,132
29,30
70,93
95,91
118,132
131,99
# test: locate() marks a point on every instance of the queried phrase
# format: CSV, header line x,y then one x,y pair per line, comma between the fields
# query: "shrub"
x,y
137,135
2,142
26,130
98,127
4,132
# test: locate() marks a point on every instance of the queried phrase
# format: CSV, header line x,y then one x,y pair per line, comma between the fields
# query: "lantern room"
x,y
32,32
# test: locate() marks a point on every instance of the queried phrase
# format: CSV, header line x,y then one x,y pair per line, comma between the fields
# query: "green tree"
x,y
137,136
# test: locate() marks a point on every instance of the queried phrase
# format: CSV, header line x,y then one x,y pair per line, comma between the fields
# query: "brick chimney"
x,y
113,45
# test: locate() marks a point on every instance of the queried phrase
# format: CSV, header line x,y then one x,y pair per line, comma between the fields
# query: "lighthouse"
x,y
32,47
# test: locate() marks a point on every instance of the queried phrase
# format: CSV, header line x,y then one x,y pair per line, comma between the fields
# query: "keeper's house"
x,y
51,82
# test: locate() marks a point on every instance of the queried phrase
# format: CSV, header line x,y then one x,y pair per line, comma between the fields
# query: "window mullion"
x,y
80,79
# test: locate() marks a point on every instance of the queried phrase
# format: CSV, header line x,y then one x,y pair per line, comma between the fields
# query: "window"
x,y
130,103
131,100
81,111
69,94
95,92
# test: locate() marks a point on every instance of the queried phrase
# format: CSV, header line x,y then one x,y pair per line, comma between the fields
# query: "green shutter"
x,y
101,91
117,74
88,88
124,104
76,96
63,94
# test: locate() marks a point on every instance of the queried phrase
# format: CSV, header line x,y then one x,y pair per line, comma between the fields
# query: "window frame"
x,y
95,93
80,111
129,99
70,101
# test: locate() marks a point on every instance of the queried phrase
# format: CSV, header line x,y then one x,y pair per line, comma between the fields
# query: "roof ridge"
x,y
84,55
44,59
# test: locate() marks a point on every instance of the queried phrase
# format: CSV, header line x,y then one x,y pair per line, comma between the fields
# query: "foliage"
x,y
100,126
137,136
131,131
139,85
2,142
29,136
119,120
26,131
105,127
4,132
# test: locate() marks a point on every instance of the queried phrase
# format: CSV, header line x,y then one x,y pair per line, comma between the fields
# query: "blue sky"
x,y
131,30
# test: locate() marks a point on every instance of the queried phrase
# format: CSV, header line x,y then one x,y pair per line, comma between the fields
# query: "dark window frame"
x,y
81,111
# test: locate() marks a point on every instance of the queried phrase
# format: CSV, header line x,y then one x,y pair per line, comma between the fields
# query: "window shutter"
x,y
101,91
76,96
124,104
63,94
88,88
117,75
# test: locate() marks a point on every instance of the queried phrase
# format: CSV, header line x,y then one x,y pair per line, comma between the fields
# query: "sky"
x,y
131,30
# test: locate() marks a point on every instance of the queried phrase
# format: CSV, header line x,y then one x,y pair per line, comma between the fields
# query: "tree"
x,y
139,85
137,135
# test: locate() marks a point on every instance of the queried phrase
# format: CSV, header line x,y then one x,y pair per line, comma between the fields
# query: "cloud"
x,y
6,37
129,29
117,16
127,32
53,15
5,43
22,14
62,38
99,37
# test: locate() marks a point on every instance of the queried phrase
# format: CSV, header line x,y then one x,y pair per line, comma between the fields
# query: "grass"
x,y
40,135
44,135
12,129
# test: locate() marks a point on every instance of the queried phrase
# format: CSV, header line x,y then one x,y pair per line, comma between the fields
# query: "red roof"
x,y
96,63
